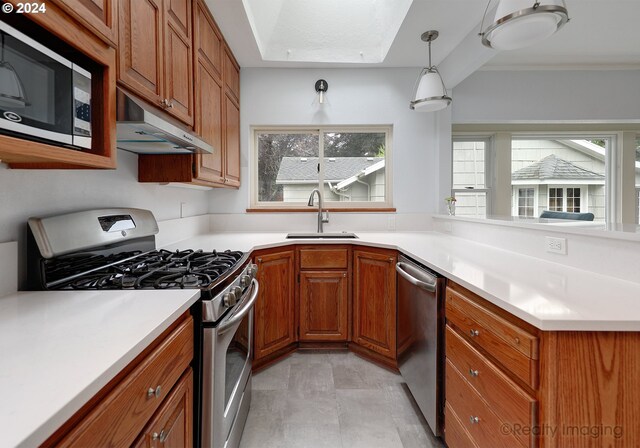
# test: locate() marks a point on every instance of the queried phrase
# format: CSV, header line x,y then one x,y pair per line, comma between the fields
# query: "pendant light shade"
x,y
430,93
521,23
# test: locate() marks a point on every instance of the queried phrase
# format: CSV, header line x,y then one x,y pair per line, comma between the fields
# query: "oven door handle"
x,y
424,281
238,316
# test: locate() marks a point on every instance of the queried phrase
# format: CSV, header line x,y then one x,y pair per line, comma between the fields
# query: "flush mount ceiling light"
x,y
430,93
520,23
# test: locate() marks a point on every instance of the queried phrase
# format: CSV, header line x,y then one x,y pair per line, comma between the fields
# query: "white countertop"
x,y
59,348
548,295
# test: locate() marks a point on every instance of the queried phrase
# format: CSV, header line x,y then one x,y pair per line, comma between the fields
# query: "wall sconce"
x,y
321,88
521,23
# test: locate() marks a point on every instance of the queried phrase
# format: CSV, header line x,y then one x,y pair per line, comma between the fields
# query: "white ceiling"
x,y
601,34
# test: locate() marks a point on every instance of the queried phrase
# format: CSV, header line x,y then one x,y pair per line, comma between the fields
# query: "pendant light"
x,y
12,92
521,23
430,94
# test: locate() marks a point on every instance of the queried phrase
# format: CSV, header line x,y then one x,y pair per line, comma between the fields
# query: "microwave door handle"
x,y
237,317
427,281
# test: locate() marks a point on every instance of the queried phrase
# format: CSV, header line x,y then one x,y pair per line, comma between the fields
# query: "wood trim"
x,y
315,210
272,358
374,357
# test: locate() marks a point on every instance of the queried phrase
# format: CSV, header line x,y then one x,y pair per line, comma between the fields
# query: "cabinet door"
x,y
232,144
231,75
98,15
209,92
208,167
179,60
140,51
324,305
274,323
374,301
172,425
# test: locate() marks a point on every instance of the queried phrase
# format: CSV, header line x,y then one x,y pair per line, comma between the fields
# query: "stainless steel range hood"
x,y
143,131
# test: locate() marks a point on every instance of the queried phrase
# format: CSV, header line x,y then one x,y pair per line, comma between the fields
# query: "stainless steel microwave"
x,y
43,96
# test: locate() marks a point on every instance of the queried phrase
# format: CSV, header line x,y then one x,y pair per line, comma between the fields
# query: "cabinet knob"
x,y
154,392
344,274
162,437
473,372
474,420
164,102
170,105
473,333
259,260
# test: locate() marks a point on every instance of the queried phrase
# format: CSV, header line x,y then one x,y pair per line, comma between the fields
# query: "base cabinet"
x,y
274,312
324,293
172,424
153,400
374,301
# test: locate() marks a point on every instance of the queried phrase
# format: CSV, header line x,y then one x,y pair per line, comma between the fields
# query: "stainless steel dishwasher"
x,y
420,332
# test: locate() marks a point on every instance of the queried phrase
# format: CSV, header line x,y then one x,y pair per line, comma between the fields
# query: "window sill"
x,y
315,210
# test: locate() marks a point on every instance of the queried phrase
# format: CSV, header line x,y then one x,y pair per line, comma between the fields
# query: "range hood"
x,y
141,130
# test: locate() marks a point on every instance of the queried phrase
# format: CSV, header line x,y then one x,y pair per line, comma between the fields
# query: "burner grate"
x,y
160,269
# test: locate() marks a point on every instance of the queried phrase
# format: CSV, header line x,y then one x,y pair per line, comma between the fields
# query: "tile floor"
x,y
333,400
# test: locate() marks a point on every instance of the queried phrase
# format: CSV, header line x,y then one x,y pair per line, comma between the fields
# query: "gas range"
x,y
114,249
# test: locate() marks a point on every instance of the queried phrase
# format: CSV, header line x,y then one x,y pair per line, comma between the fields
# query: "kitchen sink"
x,y
317,236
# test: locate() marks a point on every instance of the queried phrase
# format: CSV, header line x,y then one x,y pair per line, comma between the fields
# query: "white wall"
x,y
507,96
355,96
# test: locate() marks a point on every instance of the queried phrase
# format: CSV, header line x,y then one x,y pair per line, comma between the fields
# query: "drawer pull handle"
x,y
474,420
474,333
154,392
162,437
473,372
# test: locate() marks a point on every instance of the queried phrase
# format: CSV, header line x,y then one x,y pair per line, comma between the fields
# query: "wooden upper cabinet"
x,y
374,301
179,59
231,75
232,144
215,106
208,41
156,53
208,167
274,322
101,16
140,52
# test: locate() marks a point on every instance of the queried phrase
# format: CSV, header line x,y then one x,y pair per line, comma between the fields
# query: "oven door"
x,y
227,357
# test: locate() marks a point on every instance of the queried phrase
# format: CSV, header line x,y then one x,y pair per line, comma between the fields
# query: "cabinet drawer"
x,y
508,401
454,433
324,258
515,348
118,419
486,429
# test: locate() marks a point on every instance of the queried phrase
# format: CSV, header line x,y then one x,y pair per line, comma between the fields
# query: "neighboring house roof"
x,y
555,168
296,170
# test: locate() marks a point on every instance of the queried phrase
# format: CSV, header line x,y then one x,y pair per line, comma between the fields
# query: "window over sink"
x,y
351,166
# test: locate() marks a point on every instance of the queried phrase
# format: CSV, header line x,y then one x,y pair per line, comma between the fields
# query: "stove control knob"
x,y
253,270
237,291
245,280
230,298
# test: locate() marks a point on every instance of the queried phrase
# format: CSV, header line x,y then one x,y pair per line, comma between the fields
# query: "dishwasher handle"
x,y
417,277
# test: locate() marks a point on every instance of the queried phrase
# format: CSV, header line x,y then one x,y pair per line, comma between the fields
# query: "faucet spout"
x,y
310,204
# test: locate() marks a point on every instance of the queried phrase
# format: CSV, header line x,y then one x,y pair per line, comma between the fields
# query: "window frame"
x,y
584,196
488,167
516,198
355,206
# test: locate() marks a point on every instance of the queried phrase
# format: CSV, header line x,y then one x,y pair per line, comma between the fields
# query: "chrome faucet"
x,y
321,218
